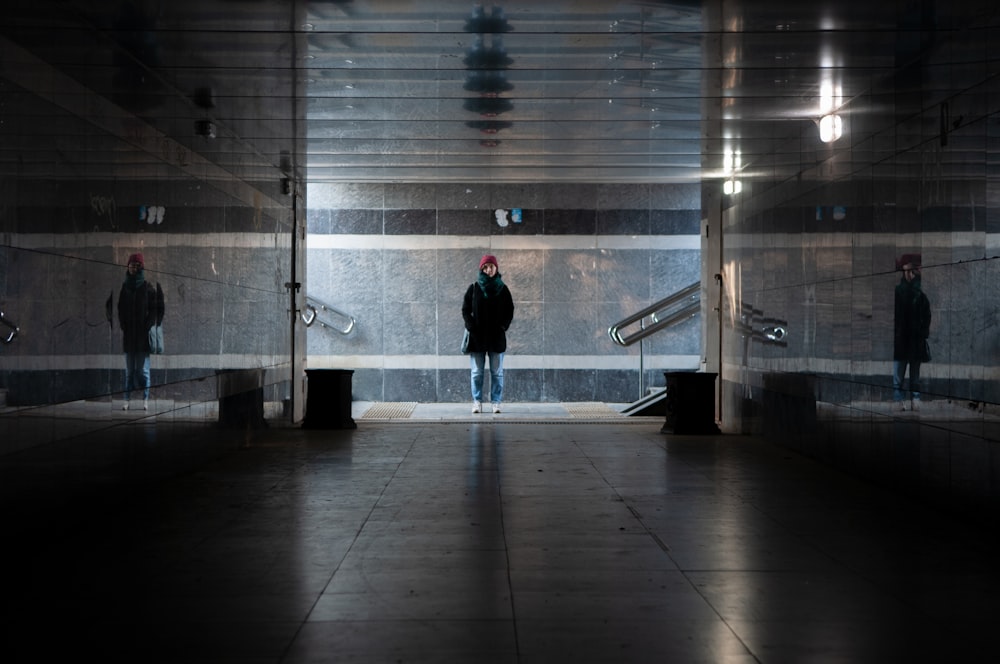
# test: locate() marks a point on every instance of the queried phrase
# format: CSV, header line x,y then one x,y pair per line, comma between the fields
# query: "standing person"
x,y
488,309
910,331
137,311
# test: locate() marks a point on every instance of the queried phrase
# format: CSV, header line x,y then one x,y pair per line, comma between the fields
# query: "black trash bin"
x,y
328,400
690,403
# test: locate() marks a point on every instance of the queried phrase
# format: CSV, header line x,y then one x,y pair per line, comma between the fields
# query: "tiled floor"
x,y
498,540
374,411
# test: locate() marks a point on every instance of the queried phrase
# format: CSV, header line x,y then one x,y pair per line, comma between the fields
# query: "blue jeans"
x,y
478,362
136,370
898,373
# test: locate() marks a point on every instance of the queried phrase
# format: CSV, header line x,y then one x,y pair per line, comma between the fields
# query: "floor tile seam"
x,y
664,547
502,515
636,515
354,542
719,613
251,506
423,421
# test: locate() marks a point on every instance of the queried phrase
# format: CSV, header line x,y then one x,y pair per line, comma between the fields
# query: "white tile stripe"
x,y
57,241
912,241
512,361
117,361
423,362
503,242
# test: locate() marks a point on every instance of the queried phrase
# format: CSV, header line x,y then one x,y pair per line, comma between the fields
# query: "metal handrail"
x,y
314,306
757,327
692,292
14,329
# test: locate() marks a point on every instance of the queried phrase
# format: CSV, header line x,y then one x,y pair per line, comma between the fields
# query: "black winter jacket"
x,y
487,319
137,312
912,323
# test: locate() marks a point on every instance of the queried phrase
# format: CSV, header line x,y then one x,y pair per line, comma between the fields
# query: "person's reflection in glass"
x,y
910,331
136,315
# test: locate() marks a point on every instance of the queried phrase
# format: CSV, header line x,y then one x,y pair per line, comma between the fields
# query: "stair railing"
x,y
12,329
312,314
688,298
660,315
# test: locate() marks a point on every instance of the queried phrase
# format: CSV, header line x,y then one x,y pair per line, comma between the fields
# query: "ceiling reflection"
x,y
487,61
573,90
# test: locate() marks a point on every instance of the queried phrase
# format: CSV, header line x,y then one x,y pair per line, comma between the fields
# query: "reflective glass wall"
x,y
828,248
109,148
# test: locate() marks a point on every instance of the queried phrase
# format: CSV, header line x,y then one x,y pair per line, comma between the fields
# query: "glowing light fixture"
x,y
732,162
831,127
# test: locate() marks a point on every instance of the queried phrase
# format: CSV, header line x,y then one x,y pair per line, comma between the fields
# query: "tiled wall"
x,y
582,257
815,247
224,299
82,191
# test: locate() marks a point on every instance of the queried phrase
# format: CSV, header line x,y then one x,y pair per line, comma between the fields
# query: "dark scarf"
x,y
490,285
135,281
911,289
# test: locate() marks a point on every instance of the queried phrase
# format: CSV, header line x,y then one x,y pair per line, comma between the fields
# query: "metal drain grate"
x,y
591,410
390,411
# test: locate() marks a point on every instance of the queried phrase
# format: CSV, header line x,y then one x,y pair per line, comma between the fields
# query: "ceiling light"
x,y
831,127
830,96
732,161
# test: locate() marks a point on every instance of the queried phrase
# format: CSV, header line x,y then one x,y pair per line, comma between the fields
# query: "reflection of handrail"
x,y
314,306
755,326
14,329
692,292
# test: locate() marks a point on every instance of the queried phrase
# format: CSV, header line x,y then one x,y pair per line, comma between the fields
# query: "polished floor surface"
x,y
498,540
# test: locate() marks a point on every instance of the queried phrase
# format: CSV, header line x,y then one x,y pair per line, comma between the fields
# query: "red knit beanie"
x,y
488,259
136,258
913,259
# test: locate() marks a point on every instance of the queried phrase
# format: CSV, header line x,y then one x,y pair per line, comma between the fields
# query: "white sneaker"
x,y
125,407
145,404
477,407
496,407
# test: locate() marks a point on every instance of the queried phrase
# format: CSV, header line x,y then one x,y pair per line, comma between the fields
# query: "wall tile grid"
x,y
573,272
221,251
817,250
57,286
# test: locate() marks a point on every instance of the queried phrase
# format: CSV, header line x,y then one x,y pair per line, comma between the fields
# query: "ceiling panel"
x,y
373,90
